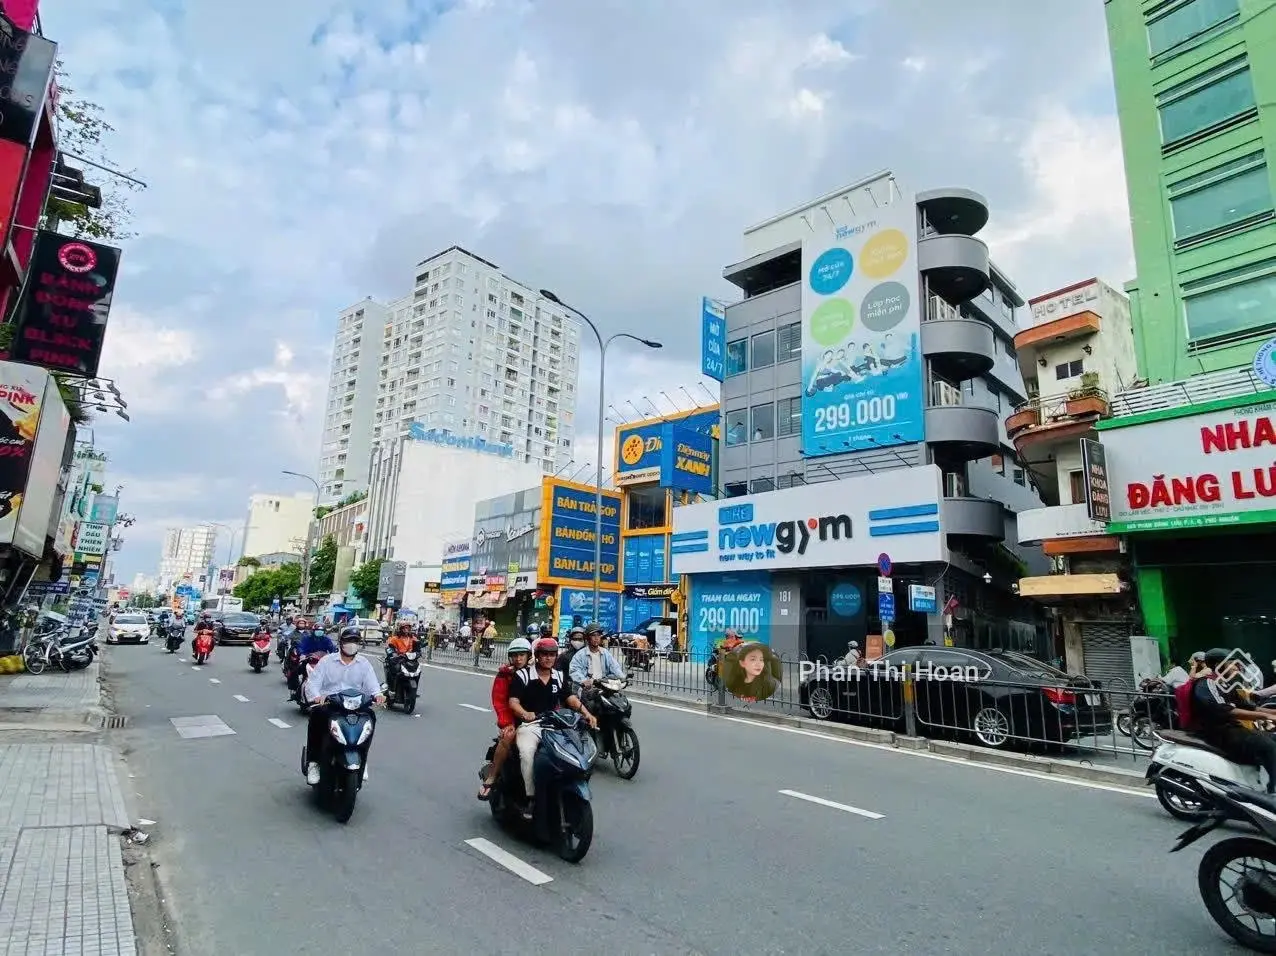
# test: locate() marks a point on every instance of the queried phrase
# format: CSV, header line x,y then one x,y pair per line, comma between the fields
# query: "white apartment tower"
x,y
277,524
469,351
186,551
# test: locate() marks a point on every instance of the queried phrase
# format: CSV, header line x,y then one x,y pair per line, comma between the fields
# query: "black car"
x,y
236,627
993,698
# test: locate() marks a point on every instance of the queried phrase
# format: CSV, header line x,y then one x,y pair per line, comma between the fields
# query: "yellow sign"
x,y
632,450
883,254
889,638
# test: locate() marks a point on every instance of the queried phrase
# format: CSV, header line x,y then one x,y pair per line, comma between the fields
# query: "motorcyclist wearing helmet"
x,y
348,670
518,653
1218,721
403,641
316,641
853,655
575,642
594,662
536,689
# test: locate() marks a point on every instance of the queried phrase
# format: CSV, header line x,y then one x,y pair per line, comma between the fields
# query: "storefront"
x,y
566,545
502,560
1194,491
802,568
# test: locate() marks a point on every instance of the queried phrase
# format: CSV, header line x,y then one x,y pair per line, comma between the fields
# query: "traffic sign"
x,y
889,638
886,607
885,586
884,564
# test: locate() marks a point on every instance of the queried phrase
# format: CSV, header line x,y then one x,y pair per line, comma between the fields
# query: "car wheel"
x,y
819,702
990,727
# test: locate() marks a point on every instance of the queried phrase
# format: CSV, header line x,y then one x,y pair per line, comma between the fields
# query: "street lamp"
x,y
602,414
230,547
305,551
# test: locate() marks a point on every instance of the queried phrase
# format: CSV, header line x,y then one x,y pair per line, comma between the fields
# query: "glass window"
x,y
1234,308
1225,202
1076,487
788,417
759,485
1189,20
735,489
763,350
1019,478
788,342
763,422
1212,98
737,427
647,508
737,357
1069,370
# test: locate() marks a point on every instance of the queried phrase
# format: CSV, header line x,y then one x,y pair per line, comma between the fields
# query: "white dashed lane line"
x,y
508,860
278,723
844,807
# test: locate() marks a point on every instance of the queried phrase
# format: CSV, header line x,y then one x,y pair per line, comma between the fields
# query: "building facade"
x,y
1196,99
187,557
277,523
801,409
352,393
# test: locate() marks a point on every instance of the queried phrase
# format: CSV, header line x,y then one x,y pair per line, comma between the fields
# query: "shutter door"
x,y
1106,647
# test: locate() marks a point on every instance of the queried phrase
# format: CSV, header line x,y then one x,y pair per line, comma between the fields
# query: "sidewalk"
x,y
53,697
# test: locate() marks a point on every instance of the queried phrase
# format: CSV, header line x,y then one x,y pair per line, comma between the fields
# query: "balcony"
x,y
1075,326
954,211
967,432
1060,521
958,348
955,266
1056,417
973,518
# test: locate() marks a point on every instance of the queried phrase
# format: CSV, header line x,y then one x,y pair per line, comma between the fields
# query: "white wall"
x,y
277,523
438,489
1111,348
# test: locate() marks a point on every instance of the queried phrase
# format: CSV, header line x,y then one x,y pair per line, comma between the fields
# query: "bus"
x,y
223,602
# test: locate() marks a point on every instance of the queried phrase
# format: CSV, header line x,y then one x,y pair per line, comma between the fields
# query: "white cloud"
x,y
147,358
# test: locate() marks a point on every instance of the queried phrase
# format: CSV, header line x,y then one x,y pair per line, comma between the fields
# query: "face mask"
x,y
578,644
350,650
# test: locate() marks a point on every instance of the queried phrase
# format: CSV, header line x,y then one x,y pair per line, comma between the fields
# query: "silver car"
x,y
129,628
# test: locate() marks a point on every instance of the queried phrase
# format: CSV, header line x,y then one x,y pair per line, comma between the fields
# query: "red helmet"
x,y
544,645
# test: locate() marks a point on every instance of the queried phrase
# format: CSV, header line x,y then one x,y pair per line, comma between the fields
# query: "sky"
x,y
300,155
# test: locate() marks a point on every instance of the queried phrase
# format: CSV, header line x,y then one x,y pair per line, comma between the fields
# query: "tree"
x,y
144,601
263,586
83,134
352,498
365,580
248,561
323,566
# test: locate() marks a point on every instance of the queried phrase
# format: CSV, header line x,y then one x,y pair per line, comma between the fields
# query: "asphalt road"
x,y
703,852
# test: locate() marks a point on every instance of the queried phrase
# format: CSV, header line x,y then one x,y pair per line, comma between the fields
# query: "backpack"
x,y
1183,705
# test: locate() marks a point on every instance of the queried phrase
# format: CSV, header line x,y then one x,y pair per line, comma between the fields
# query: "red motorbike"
x,y
306,668
203,647
259,653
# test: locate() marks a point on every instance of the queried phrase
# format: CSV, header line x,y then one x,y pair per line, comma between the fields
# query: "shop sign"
x,y
1213,469
650,592
648,451
1094,470
797,528
568,534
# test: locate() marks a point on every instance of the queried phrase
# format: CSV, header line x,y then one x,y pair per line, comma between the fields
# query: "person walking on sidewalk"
x,y
484,636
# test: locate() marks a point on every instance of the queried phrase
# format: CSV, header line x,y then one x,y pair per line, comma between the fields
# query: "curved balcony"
x,y
958,348
968,432
973,518
956,267
954,211
1057,418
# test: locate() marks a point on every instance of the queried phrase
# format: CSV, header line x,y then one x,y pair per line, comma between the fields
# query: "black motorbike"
x,y
486,646
563,816
402,679
1233,875
297,673
284,645
711,670
344,759
615,736
174,635
1152,710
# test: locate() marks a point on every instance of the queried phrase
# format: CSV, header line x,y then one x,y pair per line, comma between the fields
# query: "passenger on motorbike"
x,y
575,642
1218,722
334,674
317,642
519,652
536,689
593,662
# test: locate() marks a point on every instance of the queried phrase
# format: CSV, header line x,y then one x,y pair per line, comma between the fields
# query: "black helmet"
x,y
546,631
350,633
1216,655
594,628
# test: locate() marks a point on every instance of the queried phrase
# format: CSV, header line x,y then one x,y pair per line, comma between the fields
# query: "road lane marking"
x,y
194,728
508,860
278,723
846,807
242,699
213,680
481,710
181,660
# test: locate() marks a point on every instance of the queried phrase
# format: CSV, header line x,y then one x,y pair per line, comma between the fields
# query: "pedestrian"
x,y
485,636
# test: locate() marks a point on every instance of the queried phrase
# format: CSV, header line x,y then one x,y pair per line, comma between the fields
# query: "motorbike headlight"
x,y
351,703
365,734
412,655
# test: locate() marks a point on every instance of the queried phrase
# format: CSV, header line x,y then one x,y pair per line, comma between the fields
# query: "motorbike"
x,y
615,736
636,651
284,645
68,649
302,676
1151,710
563,816
202,647
486,646
402,679
1182,763
174,636
259,651
711,670
344,760
1240,857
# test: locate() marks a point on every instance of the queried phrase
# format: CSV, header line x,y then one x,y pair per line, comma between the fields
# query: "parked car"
x,y
235,627
1013,698
371,631
129,628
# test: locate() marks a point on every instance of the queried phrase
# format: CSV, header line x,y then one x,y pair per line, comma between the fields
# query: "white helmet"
x,y
520,645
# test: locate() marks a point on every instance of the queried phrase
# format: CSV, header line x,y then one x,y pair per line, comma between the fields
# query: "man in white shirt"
x,y
335,673
593,661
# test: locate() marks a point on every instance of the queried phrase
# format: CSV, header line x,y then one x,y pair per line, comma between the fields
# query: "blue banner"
x,y
569,528
862,370
105,508
646,451
720,601
687,464
579,602
713,339
455,573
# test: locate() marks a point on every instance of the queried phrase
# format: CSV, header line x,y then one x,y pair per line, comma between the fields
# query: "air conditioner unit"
x,y
945,394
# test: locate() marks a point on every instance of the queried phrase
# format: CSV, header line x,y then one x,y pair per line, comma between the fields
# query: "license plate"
x,y
1092,700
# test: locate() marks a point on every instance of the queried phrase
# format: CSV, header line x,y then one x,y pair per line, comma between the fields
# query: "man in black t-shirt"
x,y
535,690
1218,720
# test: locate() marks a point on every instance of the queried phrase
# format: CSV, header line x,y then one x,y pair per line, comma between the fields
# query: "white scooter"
x,y
1180,761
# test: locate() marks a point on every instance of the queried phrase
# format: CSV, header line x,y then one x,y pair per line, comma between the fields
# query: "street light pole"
x,y
305,555
230,546
603,345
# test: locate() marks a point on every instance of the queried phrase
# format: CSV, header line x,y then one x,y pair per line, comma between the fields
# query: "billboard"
x,y
90,538
713,339
862,370
504,534
567,535
456,567
576,603
32,415
687,463
640,446
105,508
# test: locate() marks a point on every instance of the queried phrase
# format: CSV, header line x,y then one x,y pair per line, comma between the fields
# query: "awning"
x,y
339,609
1057,587
489,601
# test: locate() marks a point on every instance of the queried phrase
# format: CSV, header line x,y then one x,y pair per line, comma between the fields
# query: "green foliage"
x,y
365,579
352,498
323,566
322,511
262,587
249,562
144,601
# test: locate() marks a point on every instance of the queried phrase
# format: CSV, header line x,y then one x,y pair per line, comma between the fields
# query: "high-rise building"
x,y
470,352
1196,99
187,556
277,524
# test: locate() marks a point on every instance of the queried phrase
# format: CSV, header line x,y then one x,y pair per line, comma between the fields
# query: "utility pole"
x,y
305,551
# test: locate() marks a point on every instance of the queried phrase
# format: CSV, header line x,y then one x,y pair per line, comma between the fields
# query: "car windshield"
x,y
130,619
239,619
1024,664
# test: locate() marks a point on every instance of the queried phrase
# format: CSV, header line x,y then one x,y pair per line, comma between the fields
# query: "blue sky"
x,y
302,154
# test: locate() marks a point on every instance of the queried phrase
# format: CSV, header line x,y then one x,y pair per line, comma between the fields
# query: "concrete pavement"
x,y
734,837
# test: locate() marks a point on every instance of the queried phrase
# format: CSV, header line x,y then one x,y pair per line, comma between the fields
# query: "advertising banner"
x,y
861,324
641,446
445,438
713,339
1198,471
720,601
90,538
105,508
26,61
1094,466
687,462
830,524
21,398
579,603
455,571
62,313
567,535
